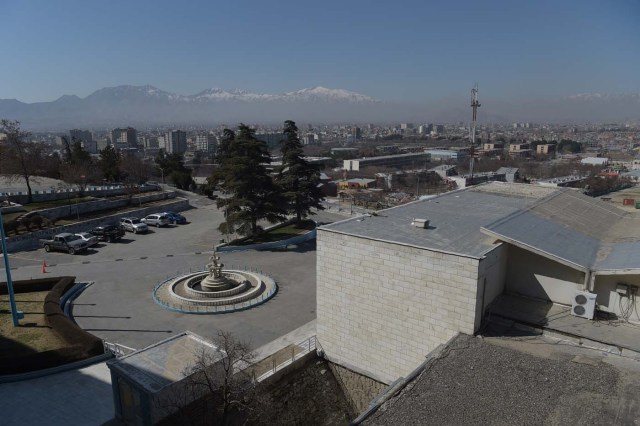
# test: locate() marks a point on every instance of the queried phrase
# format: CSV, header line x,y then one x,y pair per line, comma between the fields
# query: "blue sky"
x,y
399,51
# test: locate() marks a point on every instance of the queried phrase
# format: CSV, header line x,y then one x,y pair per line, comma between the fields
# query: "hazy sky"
x,y
393,50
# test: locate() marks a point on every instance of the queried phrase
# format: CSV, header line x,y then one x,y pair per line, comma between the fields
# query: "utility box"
x,y
420,223
637,204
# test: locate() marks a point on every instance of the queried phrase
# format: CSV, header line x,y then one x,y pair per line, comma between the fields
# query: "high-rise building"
x,y
124,138
102,144
206,143
176,142
85,138
152,142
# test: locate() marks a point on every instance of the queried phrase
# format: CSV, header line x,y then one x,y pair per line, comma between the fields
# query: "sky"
x,y
409,51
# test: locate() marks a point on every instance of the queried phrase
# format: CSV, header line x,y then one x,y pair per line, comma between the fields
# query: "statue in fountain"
x,y
215,267
216,280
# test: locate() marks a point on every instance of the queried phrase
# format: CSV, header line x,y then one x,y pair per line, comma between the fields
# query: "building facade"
x,y
124,138
206,143
176,142
393,286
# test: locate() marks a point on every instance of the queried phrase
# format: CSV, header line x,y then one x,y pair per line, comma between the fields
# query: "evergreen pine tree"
x,y
250,194
298,179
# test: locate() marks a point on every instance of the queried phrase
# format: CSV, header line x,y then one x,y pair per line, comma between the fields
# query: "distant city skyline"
x,y
411,51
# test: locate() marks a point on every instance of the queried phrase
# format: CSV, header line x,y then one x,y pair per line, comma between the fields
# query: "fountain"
x,y
214,290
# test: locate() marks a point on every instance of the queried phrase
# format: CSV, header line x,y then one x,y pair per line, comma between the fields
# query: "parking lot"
x,y
119,306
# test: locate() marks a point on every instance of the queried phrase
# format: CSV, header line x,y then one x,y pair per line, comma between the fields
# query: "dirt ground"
x,y
308,396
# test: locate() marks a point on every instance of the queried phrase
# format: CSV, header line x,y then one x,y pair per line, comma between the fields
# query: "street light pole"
x,y
162,174
16,315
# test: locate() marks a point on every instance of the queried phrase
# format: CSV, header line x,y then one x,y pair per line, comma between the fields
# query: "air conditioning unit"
x,y
584,304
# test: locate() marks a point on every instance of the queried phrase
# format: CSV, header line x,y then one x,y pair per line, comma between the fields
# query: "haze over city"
x,y
418,57
320,213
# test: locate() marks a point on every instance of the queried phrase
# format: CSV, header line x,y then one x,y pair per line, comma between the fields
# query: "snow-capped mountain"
x,y
148,105
605,97
216,94
317,93
322,93
133,92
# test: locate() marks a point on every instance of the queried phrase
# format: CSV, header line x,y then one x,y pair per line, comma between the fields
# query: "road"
x,y
119,306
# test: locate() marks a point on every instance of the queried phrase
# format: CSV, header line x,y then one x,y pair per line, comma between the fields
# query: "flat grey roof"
x,y
162,363
390,157
455,218
570,226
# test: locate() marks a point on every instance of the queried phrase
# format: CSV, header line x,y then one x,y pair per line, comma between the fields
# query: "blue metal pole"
x,y
15,314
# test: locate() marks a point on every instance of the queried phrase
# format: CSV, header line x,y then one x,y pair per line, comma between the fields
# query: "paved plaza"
x,y
119,306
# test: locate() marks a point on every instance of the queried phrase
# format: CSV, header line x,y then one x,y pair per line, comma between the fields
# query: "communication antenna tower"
x,y
475,104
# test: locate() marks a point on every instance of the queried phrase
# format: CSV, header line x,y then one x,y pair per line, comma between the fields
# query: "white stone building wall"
x,y
382,306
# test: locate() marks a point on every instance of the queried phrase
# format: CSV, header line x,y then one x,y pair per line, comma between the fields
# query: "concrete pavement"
x,y
78,397
119,308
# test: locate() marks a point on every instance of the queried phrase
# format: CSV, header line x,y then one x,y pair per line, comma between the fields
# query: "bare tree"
x,y
79,168
134,173
218,388
22,159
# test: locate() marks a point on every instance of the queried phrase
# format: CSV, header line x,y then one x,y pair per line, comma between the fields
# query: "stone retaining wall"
x,y
62,194
358,389
74,209
31,241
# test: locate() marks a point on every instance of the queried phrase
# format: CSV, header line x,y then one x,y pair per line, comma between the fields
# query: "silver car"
x,y
158,219
133,224
88,238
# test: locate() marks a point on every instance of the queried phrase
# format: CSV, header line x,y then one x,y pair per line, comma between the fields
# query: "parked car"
x,y
88,238
133,224
108,233
176,218
156,219
66,241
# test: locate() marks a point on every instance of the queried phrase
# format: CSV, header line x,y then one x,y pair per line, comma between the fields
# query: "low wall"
x,y
299,239
12,209
80,344
62,194
74,209
31,241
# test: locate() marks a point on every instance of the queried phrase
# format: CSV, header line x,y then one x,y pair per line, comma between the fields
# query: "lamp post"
x,y
161,174
16,315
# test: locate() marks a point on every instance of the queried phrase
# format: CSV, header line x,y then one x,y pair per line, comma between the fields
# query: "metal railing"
x,y
305,347
117,349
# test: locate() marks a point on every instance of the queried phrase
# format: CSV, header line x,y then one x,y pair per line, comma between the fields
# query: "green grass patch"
x,y
56,203
33,334
280,234
9,217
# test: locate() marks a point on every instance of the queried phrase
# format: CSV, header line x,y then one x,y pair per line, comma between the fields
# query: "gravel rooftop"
x,y
488,382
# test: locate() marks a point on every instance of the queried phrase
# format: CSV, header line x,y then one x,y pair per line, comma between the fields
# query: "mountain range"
x,y
148,106
143,106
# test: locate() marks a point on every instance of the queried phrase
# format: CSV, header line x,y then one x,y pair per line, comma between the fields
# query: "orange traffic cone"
x,y
44,266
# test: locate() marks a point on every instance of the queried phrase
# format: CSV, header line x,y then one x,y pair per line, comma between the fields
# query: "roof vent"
x,y
420,223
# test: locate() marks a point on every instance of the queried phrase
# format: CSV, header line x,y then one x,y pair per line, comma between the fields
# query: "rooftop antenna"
x,y
475,104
